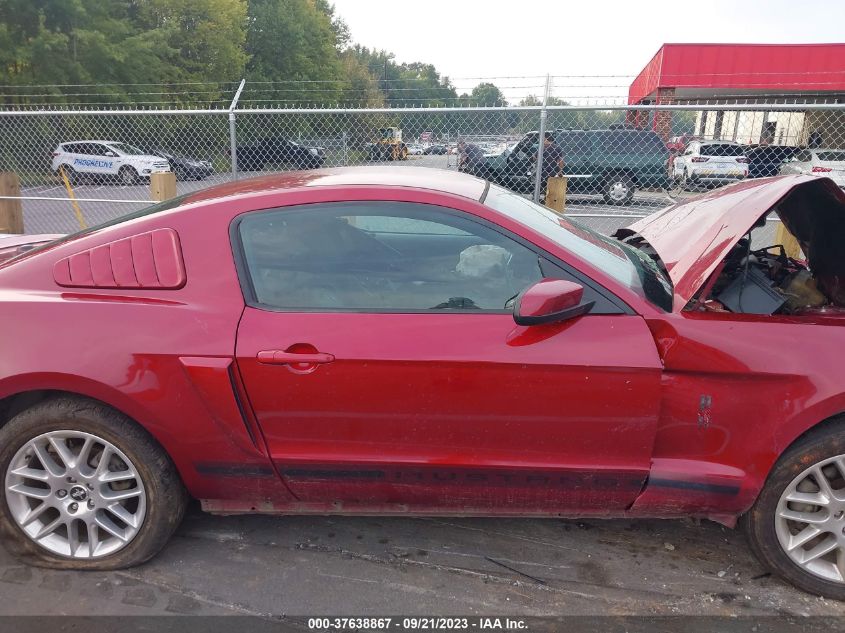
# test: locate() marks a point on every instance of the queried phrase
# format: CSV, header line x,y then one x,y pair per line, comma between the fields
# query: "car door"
x,y
106,160
522,164
576,147
386,371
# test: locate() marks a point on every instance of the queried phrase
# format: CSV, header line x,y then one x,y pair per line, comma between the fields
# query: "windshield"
x,y
123,148
627,265
721,149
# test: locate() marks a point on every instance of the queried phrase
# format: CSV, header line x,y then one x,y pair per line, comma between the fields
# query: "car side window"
x,y
380,256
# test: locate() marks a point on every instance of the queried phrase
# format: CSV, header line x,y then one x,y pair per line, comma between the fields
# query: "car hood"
x,y
143,158
692,238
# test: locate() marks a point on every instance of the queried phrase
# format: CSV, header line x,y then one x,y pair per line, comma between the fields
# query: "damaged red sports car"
x,y
413,341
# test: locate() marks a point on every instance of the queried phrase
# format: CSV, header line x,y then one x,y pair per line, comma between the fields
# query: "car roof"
x,y
716,142
90,141
623,130
445,181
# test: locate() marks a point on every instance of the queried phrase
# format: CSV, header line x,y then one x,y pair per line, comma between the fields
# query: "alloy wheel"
x,y
810,519
618,191
75,494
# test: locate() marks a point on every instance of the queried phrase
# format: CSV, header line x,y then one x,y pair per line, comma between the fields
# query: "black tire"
x,y
618,189
760,522
128,176
71,173
166,496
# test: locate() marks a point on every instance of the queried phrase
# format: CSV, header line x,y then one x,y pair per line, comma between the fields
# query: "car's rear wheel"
x,y
70,173
128,175
797,525
618,189
85,488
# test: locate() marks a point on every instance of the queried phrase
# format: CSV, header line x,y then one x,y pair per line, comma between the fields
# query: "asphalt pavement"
x,y
57,216
285,566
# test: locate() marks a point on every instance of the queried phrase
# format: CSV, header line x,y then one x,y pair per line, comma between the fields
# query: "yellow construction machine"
x,y
389,145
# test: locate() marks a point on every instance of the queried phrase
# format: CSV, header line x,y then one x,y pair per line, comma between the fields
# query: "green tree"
x,y
486,95
295,42
204,38
113,46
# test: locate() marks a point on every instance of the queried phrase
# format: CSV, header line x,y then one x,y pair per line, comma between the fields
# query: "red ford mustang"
x,y
412,341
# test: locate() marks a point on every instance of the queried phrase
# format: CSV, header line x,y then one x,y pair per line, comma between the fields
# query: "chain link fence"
x,y
621,162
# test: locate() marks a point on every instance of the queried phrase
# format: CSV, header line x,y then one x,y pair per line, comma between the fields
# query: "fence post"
x,y
162,186
233,140
11,210
538,178
556,193
345,149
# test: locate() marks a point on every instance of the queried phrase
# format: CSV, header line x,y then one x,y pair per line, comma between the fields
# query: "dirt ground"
x,y
272,566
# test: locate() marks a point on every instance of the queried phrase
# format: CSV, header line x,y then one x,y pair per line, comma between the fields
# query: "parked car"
x,y
613,162
438,150
636,376
710,163
279,151
415,149
822,162
106,160
765,160
677,144
184,167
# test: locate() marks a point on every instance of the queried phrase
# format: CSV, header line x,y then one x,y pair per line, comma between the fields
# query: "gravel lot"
x,y
269,566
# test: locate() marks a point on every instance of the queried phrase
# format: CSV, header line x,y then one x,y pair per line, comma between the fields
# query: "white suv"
x,y
821,162
106,159
710,162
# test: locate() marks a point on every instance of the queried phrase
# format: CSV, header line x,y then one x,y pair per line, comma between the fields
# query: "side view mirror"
x,y
550,301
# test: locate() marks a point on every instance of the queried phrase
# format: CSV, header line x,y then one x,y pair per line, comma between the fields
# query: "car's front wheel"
x,y
85,488
128,176
797,525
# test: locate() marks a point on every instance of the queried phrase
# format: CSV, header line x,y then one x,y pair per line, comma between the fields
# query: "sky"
x,y
468,39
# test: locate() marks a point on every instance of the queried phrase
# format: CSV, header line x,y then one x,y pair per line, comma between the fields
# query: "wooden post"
x,y
790,244
556,193
11,211
162,185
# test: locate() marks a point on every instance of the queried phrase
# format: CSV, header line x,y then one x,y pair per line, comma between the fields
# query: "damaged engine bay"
x,y
766,280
